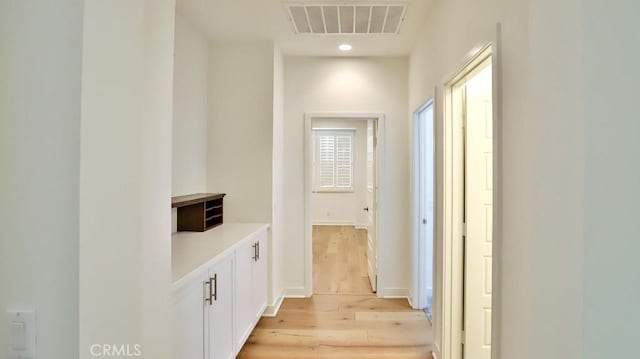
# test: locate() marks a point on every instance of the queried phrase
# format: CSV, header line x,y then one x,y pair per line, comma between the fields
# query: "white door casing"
x,y
379,120
478,213
451,334
371,209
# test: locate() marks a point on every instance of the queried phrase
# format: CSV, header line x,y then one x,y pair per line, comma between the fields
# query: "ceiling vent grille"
x,y
342,19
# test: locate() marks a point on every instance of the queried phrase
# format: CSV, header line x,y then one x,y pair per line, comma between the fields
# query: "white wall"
x,y
542,174
189,126
612,179
278,264
41,46
240,129
344,208
191,67
334,208
376,85
125,175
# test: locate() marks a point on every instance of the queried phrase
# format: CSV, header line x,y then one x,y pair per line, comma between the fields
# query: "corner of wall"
x,y
274,307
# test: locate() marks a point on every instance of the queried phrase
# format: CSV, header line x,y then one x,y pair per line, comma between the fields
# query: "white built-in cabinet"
x,y
189,318
251,294
260,278
217,305
219,314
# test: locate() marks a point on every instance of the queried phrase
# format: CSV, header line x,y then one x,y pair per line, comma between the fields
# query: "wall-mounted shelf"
x,y
198,212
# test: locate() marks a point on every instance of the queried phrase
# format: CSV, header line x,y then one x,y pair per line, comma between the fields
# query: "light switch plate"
x,y
18,335
22,334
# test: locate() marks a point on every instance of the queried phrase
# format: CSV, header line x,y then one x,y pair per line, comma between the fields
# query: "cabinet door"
x,y
189,320
244,310
221,310
260,277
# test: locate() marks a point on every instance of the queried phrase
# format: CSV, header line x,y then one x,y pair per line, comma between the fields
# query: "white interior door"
x,y
372,202
425,202
478,214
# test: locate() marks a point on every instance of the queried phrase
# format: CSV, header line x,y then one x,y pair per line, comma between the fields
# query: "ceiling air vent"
x,y
346,19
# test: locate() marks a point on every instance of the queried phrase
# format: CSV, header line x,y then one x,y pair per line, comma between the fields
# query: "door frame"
x,y
418,300
308,188
452,255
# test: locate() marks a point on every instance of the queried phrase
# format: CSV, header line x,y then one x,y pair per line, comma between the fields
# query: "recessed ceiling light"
x,y
345,47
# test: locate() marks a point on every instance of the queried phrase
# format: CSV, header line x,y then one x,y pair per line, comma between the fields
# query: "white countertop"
x,y
193,252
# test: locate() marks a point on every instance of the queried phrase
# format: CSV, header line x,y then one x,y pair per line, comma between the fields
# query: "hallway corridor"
x,y
343,319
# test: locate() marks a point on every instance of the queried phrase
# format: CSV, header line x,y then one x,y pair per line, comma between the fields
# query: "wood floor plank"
x,y
316,336
328,352
340,262
307,316
371,352
372,304
402,316
343,324
390,337
344,319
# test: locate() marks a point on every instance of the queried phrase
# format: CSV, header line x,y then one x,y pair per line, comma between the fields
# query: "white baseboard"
x,y
396,293
272,310
361,226
333,223
295,292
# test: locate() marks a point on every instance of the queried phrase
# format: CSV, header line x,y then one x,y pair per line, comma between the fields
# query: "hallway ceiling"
x,y
251,20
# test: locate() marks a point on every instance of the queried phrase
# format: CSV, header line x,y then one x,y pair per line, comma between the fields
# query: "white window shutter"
x,y
344,161
334,160
327,160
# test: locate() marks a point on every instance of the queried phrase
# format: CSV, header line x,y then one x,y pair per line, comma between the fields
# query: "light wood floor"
x,y
347,320
340,261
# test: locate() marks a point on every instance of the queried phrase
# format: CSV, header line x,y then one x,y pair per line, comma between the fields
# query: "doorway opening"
x,y
424,198
469,151
341,204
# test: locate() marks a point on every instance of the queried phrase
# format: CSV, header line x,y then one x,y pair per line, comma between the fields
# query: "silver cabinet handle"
x,y
255,251
207,298
215,288
258,255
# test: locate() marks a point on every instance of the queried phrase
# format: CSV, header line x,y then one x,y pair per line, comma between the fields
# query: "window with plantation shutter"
x,y
333,160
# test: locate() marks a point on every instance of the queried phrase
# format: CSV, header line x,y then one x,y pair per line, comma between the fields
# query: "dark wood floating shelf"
x,y
182,201
199,212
